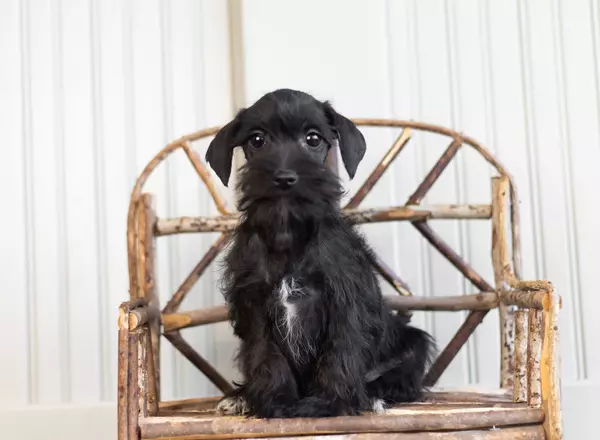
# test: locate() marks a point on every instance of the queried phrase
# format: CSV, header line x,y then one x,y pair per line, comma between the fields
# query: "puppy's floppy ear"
x,y
220,151
351,141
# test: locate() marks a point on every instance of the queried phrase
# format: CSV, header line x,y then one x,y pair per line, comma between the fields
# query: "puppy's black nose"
x,y
285,178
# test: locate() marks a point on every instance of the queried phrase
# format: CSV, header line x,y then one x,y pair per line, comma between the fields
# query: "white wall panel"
x,y
14,255
81,215
577,29
522,78
45,310
113,159
89,92
435,102
472,115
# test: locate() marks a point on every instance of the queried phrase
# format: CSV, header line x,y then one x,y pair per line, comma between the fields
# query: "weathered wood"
x,y
133,408
142,316
500,251
418,213
477,301
129,306
534,350
142,371
464,397
196,273
185,225
146,249
550,372
530,286
128,358
432,128
515,230
530,432
205,176
391,277
468,396
198,403
520,378
122,375
194,357
501,263
435,172
374,177
208,315
153,379
526,299
393,420
200,411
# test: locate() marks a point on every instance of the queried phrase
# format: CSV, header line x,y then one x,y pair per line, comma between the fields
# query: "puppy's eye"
x,y
257,140
314,139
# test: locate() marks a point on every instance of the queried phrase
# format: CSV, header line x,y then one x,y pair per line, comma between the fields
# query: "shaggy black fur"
x,y
316,337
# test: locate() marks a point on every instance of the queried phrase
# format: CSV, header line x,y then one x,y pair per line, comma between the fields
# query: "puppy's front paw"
x,y
232,406
317,407
379,406
273,411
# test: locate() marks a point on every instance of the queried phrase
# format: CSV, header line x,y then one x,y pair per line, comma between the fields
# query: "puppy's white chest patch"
x,y
287,289
289,324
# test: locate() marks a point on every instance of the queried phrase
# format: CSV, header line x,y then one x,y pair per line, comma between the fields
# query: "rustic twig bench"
x,y
526,405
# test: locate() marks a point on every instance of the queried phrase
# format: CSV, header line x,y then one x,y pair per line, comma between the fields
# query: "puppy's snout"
x,y
285,178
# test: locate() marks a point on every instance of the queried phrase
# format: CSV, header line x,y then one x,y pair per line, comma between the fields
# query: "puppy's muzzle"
x,y
285,179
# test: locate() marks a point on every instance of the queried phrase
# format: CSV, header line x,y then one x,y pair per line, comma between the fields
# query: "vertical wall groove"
x,y
63,260
205,203
456,120
485,48
173,248
200,87
393,181
595,25
530,141
76,120
486,51
425,250
100,198
130,152
570,211
29,206
462,187
235,31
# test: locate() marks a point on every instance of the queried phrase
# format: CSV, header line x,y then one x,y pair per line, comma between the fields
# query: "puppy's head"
x,y
286,136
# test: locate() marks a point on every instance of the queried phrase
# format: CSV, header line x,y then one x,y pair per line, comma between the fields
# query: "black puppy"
x,y
316,337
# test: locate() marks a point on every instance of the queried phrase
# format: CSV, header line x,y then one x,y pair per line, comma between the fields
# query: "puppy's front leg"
x,y
338,387
270,390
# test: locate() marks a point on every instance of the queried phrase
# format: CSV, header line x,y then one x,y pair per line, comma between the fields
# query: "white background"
x,y
90,90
